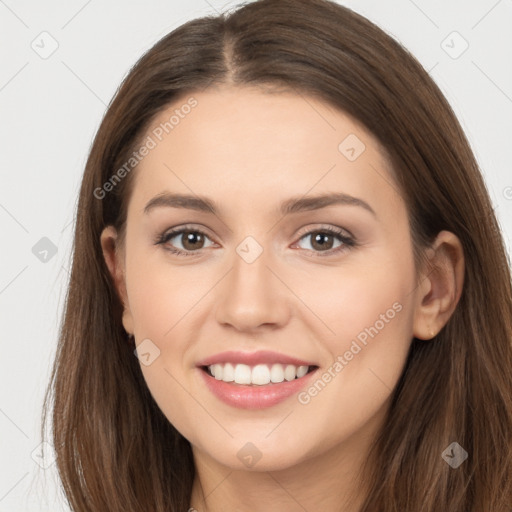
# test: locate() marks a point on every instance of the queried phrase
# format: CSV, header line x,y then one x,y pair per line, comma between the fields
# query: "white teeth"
x,y
242,374
258,375
229,373
277,373
301,371
217,371
290,372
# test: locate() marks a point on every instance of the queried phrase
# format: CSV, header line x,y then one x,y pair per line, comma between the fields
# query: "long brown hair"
x,y
116,450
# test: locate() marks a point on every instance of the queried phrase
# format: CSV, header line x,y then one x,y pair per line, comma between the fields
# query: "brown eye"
x,y
327,241
322,241
190,240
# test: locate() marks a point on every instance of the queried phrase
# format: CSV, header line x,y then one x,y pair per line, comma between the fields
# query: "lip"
x,y
254,397
253,358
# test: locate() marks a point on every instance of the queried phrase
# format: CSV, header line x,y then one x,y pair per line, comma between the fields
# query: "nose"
x,y
253,295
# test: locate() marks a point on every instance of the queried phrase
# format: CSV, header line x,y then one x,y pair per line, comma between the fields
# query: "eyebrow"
x,y
292,205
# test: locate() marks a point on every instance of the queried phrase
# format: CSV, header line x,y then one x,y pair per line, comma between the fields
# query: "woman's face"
x,y
264,273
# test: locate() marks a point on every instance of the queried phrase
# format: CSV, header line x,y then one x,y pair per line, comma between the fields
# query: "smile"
x,y
256,396
258,375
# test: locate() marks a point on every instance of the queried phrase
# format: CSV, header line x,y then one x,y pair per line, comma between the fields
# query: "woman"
x,y
289,290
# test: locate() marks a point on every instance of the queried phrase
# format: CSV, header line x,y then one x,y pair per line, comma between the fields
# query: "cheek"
x,y
368,310
160,295
372,323
353,298
161,301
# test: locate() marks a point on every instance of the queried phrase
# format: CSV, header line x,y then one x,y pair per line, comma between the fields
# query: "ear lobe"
x,y
441,288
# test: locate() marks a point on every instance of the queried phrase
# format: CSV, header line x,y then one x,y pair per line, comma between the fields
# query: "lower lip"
x,y
254,397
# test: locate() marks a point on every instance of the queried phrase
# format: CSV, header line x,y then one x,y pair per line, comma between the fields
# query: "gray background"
x,y
51,107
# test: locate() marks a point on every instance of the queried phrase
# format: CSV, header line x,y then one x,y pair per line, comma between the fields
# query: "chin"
x,y
263,455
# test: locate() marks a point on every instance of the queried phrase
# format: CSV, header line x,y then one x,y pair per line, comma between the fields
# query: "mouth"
x,y
257,386
258,375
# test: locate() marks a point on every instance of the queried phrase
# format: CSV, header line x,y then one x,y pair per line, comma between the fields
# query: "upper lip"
x,y
253,358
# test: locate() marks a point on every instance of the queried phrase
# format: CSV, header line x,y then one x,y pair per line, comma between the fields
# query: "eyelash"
x,y
348,242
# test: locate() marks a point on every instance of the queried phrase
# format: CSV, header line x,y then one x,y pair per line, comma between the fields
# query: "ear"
x,y
114,258
440,287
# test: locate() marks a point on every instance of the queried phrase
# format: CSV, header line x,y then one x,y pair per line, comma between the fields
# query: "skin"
x,y
249,150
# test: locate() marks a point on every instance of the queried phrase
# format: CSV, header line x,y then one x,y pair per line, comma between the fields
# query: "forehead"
x,y
246,145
